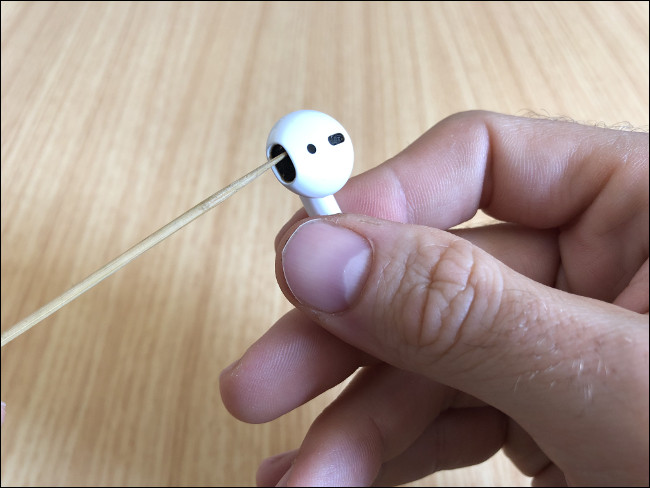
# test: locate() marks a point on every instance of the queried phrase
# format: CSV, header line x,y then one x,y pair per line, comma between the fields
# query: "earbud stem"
x,y
321,206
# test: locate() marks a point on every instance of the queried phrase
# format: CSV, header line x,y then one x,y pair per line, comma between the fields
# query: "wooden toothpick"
x,y
128,256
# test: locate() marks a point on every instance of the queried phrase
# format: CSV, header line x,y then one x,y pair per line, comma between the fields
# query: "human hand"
x,y
530,335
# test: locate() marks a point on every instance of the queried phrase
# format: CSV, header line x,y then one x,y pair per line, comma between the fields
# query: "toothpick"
x,y
128,256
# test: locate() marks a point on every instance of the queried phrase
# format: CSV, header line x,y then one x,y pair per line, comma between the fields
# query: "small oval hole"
x,y
335,139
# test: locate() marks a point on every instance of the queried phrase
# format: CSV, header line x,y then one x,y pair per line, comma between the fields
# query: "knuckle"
x,y
448,300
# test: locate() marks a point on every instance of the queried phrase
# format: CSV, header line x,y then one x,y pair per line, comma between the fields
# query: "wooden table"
x,y
119,116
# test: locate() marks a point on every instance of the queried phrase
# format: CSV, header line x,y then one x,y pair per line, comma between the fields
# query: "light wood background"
x,y
117,117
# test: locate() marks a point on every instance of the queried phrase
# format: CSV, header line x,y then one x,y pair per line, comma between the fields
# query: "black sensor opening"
x,y
285,167
335,139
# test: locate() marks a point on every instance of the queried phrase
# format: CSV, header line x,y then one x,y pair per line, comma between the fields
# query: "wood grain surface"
x,y
119,116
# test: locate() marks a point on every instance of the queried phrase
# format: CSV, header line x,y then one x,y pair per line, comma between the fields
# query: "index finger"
x,y
537,172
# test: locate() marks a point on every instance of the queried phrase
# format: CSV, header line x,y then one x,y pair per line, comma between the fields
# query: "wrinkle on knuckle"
x,y
447,297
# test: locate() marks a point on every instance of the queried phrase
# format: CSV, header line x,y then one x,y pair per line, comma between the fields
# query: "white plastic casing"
x,y
320,173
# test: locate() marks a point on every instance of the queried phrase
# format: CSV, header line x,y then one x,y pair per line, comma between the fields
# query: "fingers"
x,y
537,172
272,469
250,392
635,295
531,252
540,173
523,451
551,476
457,438
292,363
378,416
263,384
430,302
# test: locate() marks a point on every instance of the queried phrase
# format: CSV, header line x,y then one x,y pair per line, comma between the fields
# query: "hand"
x,y
530,335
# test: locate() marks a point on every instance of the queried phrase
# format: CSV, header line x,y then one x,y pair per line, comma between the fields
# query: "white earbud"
x,y
319,158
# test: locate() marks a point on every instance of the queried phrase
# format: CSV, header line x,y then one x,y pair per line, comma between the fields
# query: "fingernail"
x,y
326,265
3,407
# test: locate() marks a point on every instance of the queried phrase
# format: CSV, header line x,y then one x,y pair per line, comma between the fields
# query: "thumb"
x,y
427,301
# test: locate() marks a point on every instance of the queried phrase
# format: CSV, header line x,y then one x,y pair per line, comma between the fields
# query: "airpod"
x,y
319,158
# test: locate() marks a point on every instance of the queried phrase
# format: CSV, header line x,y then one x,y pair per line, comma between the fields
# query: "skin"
x,y
530,335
